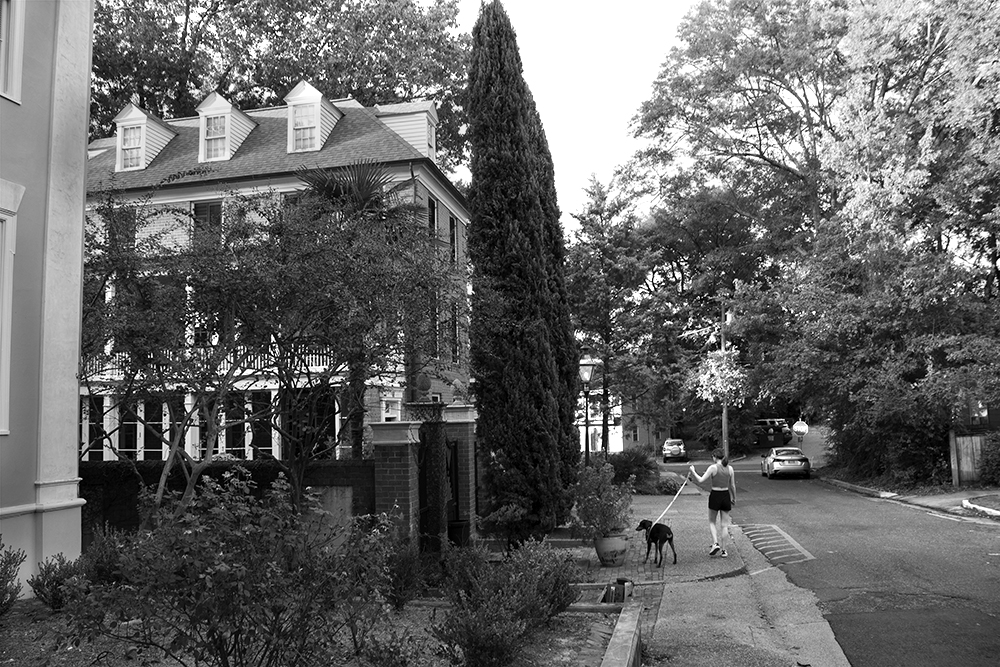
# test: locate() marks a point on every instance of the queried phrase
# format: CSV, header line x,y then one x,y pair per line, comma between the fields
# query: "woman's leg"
x,y
713,516
724,523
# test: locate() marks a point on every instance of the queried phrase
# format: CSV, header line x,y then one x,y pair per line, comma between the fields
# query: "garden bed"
x,y
30,637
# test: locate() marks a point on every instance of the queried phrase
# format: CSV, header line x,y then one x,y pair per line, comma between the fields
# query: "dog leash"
x,y
686,478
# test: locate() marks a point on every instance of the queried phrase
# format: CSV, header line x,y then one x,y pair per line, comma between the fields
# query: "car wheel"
x,y
770,475
807,475
762,473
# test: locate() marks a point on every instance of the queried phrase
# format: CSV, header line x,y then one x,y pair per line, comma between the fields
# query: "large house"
x,y
44,100
225,152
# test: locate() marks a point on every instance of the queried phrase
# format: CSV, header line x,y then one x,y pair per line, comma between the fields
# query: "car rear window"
x,y
788,452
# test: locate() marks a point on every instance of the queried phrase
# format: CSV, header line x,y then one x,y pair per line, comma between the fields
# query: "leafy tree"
x,y
606,268
170,55
320,298
752,84
513,349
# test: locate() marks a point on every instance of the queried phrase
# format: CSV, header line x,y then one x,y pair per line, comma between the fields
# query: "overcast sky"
x,y
589,65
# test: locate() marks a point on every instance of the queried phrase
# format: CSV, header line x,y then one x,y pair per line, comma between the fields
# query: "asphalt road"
x,y
898,584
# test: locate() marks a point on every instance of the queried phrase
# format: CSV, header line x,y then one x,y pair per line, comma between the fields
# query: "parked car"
x,y
673,448
784,461
773,424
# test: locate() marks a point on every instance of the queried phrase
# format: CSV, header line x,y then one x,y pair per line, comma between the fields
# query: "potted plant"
x,y
603,512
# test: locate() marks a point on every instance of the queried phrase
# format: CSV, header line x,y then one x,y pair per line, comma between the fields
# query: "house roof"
x,y
357,136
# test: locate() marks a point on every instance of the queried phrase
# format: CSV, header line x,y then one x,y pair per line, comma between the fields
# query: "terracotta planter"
x,y
611,549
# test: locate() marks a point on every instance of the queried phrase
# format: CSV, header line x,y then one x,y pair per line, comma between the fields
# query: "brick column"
x,y
460,428
396,472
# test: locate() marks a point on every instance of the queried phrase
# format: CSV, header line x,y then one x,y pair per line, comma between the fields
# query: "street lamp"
x,y
587,365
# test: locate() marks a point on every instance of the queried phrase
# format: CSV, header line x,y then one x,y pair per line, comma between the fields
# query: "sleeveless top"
x,y
722,477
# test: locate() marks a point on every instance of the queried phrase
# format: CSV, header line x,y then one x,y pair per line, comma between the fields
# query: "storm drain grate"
x,y
775,544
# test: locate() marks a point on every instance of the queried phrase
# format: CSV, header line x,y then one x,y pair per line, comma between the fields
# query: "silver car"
x,y
784,461
673,448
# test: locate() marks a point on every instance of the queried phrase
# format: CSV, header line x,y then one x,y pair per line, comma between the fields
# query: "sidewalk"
x,y
960,501
704,610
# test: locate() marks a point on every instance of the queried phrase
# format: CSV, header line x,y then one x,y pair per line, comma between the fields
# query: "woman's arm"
x,y
701,478
732,484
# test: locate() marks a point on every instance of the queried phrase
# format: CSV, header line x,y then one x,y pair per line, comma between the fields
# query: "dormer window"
x,y
311,118
139,139
132,147
222,129
215,138
304,127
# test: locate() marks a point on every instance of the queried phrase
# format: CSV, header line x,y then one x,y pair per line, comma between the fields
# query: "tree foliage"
x,y
827,171
520,346
319,298
169,55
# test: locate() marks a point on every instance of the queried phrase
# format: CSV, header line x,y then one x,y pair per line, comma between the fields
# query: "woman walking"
x,y
720,499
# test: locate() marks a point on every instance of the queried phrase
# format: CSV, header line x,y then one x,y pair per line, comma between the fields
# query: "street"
x,y
898,584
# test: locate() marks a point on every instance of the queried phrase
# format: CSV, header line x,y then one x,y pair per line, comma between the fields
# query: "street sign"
x,y
800,428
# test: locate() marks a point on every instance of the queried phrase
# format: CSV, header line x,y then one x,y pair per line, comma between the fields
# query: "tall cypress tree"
x,y
515,359
559,319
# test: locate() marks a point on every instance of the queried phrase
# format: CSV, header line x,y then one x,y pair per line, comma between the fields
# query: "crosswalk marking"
x,y
776,545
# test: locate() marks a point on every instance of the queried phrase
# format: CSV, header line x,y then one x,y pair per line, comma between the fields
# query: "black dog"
x,y
657,534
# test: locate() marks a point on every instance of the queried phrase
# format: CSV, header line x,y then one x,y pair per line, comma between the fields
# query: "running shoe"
x,y
715,549
724,554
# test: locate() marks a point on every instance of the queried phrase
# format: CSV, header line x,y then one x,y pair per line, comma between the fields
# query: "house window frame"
x,y
138,148
432,217
10,200
221,139
453,238
11,48
295,127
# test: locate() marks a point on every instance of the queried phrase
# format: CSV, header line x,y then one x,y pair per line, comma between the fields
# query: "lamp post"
x,y
587,364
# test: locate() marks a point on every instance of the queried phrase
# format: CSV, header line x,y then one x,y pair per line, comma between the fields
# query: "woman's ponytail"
x,y
719,454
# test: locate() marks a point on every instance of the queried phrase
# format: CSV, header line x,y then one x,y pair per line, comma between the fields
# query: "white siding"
x,y
240,126
165,225
412,128
328,117
156,139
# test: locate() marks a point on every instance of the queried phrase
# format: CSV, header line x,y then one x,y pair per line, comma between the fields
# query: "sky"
x,y
590,66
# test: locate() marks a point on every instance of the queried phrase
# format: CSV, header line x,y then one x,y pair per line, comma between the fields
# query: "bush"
x,y
10,587
407,574
234,580
989,463
101,561
49,585
602,507
495,605
395,650
634,463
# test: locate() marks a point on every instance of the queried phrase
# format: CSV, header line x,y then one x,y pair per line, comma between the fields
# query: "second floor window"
x,y
207,225
215,137
304,127
131,147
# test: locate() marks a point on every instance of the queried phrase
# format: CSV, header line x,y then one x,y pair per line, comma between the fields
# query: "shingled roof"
x,y
358,136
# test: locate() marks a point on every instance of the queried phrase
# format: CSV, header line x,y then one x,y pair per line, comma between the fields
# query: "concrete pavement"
x,y
739,610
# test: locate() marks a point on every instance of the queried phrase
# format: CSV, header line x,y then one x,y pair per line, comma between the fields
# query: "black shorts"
x,y
720,501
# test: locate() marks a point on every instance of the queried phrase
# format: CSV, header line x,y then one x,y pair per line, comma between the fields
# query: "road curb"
x,y
864,490
967,504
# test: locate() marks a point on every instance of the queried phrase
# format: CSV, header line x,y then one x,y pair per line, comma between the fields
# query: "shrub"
x,y
234,580
602,507
989,463
10,587
49,585
546,571
489,634
100,563
407,574
494,605
397,649
634,463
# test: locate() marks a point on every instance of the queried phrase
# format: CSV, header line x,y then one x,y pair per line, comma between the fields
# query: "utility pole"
x,y
725,403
